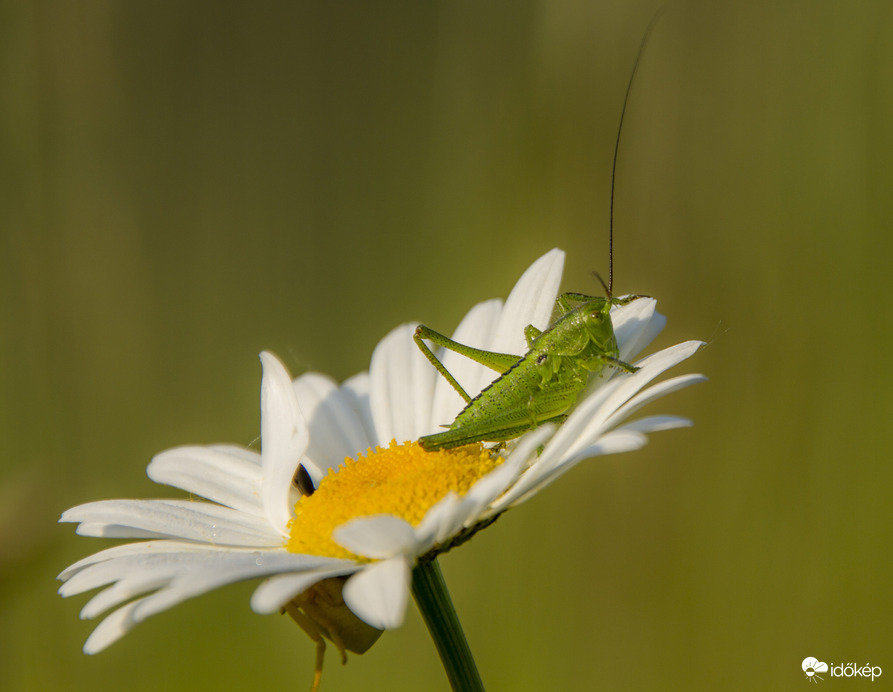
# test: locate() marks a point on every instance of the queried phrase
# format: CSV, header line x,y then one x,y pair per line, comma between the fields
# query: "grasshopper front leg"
x,y
500,362
621,365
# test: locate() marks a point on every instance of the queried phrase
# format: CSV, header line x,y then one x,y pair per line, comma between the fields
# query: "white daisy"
x,y
358,536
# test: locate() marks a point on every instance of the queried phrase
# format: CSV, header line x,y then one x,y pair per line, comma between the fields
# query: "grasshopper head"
x,y
596,315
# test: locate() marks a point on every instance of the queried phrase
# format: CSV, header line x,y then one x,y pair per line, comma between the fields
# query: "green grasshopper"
x,y
538,387
542,385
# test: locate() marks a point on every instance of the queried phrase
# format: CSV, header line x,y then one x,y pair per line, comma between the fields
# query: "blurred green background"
x,y
186,184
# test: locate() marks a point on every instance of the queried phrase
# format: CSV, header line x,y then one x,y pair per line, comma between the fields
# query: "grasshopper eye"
x,y
595,315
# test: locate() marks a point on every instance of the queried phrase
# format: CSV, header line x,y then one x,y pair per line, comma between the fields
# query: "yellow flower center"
x,y
403,480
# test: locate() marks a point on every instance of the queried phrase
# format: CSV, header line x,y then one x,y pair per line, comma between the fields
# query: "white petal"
x,y
523,451
452,518
402,387
194,577
591,417
106,530
228,568
283,441
356,392
220,473
613,442
275,592
530,302
461,513
197,521
176,574
521,455
175,559
146,547
378,595
379,537
623,388
587,418
110,630
440,522
670,356
652,393
136,584
635,326
111,555
656,424
336,432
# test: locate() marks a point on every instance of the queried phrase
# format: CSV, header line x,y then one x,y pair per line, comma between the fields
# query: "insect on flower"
x,y
542,385
538,387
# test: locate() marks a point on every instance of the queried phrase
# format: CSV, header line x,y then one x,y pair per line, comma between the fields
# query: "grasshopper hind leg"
x,y
481,432
500,362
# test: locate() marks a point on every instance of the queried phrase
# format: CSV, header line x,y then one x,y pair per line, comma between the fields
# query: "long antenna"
x,y
629,88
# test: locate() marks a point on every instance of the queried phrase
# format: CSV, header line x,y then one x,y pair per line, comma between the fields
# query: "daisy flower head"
x,y
343,505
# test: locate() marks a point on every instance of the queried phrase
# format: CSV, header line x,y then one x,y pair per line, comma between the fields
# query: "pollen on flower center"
x,y
403,480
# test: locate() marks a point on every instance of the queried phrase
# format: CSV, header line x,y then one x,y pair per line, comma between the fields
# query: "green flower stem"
x,y
431,595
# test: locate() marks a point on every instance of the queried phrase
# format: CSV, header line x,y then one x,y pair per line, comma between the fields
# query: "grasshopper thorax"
x,y
583,332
